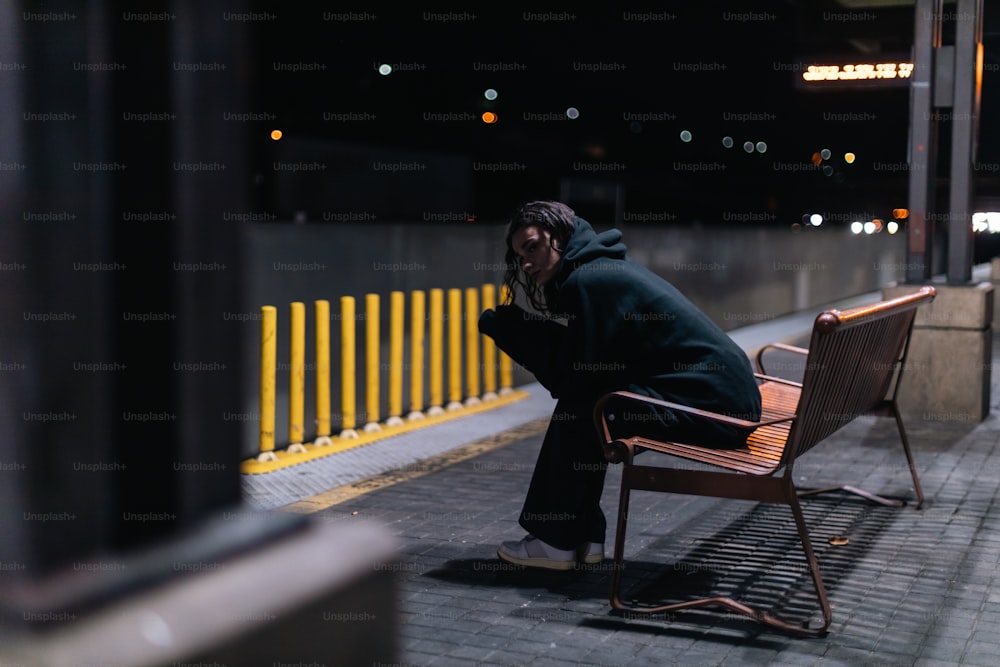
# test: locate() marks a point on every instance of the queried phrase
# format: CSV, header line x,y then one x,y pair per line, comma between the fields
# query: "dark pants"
x,y
563,504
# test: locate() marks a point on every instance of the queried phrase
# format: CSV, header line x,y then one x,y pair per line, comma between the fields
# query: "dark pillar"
x,y
185,168
123,171
923,142
964,133
58,412
117,365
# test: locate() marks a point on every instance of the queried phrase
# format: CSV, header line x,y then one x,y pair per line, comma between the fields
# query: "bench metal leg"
x,y
882,500
728,603
800,524
619,562
909,457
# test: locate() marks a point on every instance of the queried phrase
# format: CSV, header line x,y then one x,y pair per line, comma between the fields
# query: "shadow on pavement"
x,y
752,555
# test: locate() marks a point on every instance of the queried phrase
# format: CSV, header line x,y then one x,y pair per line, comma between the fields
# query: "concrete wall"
x,y
738,275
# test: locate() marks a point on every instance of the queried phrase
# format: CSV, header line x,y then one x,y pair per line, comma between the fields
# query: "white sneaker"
x,y
532,552
590,553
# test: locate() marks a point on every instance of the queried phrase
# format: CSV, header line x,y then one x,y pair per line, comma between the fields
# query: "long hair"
x,y
558,220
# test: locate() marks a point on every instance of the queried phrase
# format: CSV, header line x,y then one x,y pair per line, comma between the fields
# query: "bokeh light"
x,y
490,94
490,117
276,134
384,69
685,136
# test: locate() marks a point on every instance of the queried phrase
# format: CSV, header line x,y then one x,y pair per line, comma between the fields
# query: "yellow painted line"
x,y
285,459
343,493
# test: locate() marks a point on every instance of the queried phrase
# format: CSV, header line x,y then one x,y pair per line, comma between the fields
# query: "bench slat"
x,y
848,374
762,455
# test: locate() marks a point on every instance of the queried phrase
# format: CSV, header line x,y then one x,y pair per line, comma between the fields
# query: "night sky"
x,y
637,80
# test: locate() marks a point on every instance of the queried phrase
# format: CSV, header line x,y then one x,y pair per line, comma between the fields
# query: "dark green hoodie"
x,y
625,328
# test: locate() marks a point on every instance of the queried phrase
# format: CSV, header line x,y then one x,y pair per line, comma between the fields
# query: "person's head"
x,y
536,236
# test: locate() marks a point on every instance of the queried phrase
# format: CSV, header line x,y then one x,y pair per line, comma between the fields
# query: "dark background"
x,y
751,55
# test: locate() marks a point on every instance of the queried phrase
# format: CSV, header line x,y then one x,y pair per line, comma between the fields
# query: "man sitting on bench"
x,y
603,323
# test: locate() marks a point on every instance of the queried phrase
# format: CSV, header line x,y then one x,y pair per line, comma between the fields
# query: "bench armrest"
x,y
706,414
777,346
772,378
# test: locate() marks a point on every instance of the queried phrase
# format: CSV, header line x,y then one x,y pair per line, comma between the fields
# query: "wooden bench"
x,y
853,367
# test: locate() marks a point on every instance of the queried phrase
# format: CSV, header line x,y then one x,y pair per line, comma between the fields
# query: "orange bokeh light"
x,y
489,117
276,134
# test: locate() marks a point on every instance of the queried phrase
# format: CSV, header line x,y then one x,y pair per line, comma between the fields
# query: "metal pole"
x,y
965,117
923,142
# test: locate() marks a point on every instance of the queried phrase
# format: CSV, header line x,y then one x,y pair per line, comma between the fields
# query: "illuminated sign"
x,y
856,72
842,75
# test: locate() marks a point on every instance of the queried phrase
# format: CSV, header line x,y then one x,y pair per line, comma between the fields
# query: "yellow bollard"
x,y
506,363
396,310
348,404
489,348
322,374
372,343
268,376
472,345
297,379
436,360
454,349
416,356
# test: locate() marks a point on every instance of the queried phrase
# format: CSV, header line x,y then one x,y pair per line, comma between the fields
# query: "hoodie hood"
x,y
586,245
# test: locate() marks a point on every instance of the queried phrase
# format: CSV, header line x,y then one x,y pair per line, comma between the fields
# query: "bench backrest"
x,y
854,355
